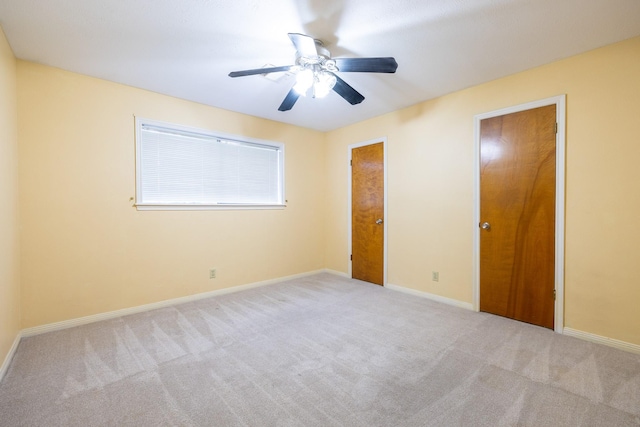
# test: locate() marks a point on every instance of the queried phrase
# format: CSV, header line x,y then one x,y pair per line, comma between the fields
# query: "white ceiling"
x,y
186,48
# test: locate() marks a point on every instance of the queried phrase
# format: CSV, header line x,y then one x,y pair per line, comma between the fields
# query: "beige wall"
x,y
9,243
431,182
85,250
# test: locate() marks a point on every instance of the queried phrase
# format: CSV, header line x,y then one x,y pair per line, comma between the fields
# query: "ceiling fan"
x,y
315,71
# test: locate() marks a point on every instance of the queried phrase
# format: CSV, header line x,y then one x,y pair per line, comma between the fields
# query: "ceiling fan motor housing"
x,y
323,58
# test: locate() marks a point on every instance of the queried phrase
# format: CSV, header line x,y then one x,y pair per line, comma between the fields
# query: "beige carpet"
x,y
317,351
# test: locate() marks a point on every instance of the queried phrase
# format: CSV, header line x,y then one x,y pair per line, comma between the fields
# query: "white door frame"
x,y
560,103
384,224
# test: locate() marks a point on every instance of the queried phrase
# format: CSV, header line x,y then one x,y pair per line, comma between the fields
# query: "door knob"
x,y
379,221
485,226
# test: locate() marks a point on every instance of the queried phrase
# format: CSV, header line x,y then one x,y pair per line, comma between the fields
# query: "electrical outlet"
x,y
212,273
435,276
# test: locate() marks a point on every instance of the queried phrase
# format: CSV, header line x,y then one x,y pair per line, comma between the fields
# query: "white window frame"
x,y
142,205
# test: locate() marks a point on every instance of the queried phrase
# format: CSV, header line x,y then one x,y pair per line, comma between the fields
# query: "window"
x,y
185,168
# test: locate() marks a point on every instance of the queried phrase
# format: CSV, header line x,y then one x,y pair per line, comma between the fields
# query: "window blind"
x,y
185,167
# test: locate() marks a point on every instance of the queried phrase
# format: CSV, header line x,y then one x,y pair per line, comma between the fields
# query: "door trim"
x,y
351,147
560,103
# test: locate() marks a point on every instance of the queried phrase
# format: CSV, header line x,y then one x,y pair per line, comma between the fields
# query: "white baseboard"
x,y
37,330
438,298
622,345
598,339
336,272
7,360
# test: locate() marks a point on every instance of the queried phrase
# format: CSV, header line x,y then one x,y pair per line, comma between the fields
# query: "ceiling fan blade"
x,y
260,71
367,65
289,100
305,45
343,89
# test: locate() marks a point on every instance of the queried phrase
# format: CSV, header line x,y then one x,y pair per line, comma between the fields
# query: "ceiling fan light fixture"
x,y
315,78
304,80
323,83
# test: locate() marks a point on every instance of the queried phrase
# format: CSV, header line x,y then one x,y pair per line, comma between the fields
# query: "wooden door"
x,y
517,215
367,213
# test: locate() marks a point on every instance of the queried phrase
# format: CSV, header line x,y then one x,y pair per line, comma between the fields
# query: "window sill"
x,y
202,207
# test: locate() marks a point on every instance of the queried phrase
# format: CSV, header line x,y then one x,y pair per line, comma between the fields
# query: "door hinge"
x,y
554,294
556,127
351,257
350,162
